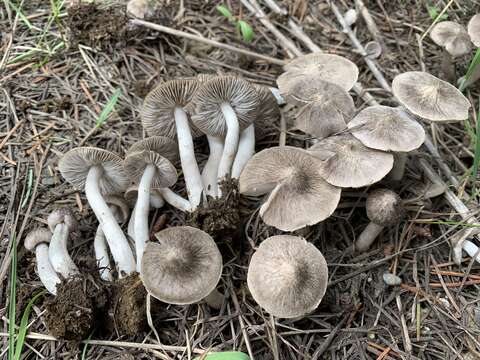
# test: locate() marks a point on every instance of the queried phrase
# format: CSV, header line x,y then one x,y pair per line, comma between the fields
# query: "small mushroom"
x,y
373,49
298,195
184,267
349,163
38,240
61,223
151,171
388,129
430,98
101,172
287,276
384,208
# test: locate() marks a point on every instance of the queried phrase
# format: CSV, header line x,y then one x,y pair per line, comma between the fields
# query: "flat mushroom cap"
x,y
287,276
36,237
349,163
452,36
165,173
60,216
318,67
388,129
160,144
238,93
384,207
158,108
183,267
473,29
120,203
76,163
430,98
298,194
268,111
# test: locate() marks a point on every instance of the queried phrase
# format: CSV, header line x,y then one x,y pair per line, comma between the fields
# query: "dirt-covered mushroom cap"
x,y
183,267
165,173
298,194
384,207
268,111
452,36
309,69
430,98
36,237
120,204
159,106
160,144
473,29
388,129
287,276
62,216
349,163
207,103
76,163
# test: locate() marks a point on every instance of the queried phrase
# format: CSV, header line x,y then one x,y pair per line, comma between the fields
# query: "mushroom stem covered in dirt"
x,y
246,149
38,240
210,170
61,222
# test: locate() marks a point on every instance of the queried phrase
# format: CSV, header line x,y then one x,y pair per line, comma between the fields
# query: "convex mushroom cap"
x,y
62,216
474,30
36,237
384,207
430,98
298,194
165,174
287,276
452,36
183,267
160,144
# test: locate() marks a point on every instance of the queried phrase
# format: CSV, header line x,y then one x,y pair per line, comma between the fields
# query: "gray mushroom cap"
x,y
287,276
268,111
36,237
473,29
384,207
62,216
165,173
159,144
452,36
120,203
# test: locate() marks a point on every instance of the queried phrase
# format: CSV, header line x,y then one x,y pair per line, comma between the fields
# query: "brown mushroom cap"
x,y
76,163
287,276
165,172
268,111
473,29
384,207
60,216
119,202
349,163
452,36
206,104
430,98
309,69
299,195
183,267
36,237
388,129
160,144
158,108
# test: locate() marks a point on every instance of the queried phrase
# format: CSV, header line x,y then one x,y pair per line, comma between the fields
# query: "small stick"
x,y
275,7
406,336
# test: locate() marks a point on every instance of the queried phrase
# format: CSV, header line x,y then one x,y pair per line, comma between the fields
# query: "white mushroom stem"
x,y
156,201
117,242
368,236
246,149
210,170
58,253
471,249
398,170
131,224
231,141
191,173
214,299
175,200
46,272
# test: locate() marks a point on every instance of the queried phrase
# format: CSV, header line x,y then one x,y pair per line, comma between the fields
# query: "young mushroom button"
x,y
287,276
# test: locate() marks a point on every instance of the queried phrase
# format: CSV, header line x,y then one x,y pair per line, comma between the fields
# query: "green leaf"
x,y
108,108
226,355
246,31
433,12
225,11
12,299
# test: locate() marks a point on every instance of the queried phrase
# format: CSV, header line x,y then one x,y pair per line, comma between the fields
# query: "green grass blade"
x,y
476,160
21,15
85,347
12,299
29,188
108,108
226,355
471,68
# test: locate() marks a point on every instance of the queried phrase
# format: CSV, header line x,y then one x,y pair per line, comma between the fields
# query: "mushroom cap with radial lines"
x,y
62,216
160,144
120,203
183,267
318,67
384,207
452,36
346,162
76,163
158,108
388,129
268,111
298,194
473,29
36,237
165,173
206,104
430,98
287,276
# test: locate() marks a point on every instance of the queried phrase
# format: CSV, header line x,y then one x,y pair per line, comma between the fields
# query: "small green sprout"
x,y
433,12
243,28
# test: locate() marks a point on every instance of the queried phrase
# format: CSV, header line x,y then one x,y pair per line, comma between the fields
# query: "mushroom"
x,y
298,195
100,171
287,276
184,267
473,29
373,49
163,113
38,240
61,222
384,208
151,171
388,129
142,9
430,98
349,163
454,38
